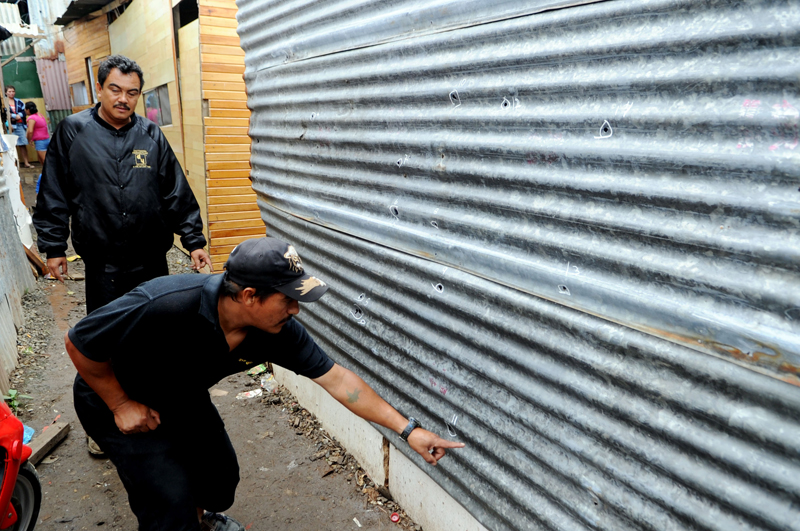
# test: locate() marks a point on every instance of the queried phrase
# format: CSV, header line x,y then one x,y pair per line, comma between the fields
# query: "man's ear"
x,y
98,89
248,296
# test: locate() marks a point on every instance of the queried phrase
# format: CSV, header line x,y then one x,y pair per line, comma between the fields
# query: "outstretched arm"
x,y
354,393
130,416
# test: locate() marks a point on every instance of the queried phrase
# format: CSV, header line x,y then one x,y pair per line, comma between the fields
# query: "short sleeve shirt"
x,y
167,348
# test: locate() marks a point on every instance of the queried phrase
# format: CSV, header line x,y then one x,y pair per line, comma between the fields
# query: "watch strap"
x,y
412,423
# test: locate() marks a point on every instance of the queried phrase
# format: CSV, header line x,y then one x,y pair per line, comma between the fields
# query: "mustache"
x,y
122,106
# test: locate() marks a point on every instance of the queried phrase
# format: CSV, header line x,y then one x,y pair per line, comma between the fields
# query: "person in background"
x,y
37,130
38,134
17,120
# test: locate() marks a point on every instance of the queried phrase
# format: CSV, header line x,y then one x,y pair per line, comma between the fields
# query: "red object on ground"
x,y
395,517
16,454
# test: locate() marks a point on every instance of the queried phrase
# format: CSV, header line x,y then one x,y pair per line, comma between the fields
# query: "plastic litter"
x,y
395,517
248,394
258,369
357,522
27,434
268,383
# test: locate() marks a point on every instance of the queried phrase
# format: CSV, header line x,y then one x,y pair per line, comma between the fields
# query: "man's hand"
x,y
134,417
57,267
200,259
429,445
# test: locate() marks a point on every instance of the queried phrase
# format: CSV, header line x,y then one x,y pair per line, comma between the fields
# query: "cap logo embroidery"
x,y
309,284
295,264
141,158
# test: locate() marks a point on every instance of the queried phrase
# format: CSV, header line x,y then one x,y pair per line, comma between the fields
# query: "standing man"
x,y
171,449
17,120
114,173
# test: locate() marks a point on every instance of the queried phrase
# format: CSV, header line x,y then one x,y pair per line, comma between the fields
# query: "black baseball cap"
x,y
271,263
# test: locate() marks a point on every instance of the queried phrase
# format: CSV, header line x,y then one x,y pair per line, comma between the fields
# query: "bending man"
x,y
171,449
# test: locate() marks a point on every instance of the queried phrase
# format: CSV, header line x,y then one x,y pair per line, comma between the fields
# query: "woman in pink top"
x,y
37,130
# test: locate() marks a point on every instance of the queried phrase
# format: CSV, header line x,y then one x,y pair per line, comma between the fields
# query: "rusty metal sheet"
x,y
55,85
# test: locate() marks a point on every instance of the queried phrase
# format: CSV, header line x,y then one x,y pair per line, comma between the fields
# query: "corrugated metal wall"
x,y
55,86
572,232
9,14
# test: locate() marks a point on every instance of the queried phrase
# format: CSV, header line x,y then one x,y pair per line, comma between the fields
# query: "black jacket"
x,y
124,189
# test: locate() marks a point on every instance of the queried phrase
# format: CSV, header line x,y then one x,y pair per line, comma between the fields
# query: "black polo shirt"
x,y
167,348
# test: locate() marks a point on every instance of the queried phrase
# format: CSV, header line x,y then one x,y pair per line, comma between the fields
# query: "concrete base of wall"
x,y
424,501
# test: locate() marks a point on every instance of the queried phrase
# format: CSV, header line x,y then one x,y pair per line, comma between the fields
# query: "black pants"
x,y
107,282
169,472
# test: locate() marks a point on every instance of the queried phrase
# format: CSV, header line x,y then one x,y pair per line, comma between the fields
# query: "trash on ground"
x,y
218,392
268,383
73,258
395,517
258,369
356,521
248,394
49,459
27,434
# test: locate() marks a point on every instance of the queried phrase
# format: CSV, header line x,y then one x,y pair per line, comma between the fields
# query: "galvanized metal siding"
x,y
571,422
588,216
9,14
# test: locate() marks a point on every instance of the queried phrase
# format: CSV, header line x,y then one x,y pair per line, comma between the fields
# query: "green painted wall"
x,y
23,76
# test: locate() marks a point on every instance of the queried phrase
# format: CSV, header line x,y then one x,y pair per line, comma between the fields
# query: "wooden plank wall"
x,y
233,214
192,103
85,38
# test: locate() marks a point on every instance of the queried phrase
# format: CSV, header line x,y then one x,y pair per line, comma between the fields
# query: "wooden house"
x,y
193,66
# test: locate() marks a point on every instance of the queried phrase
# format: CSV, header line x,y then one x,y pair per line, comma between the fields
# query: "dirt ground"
x,y
294,476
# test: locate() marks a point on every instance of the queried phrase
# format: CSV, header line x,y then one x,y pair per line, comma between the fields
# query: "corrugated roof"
x,y
79,9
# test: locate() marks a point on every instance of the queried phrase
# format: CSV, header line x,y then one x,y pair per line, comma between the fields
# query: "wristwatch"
x,y
412,423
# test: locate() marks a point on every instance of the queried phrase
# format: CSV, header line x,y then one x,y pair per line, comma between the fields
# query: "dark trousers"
x,y
170,471
107,282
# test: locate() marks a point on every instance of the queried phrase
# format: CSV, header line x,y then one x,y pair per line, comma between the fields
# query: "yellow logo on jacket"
x,y
141,158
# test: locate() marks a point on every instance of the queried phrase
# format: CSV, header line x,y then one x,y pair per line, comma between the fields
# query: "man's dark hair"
x,y
121,63
31,107
10,87
232,289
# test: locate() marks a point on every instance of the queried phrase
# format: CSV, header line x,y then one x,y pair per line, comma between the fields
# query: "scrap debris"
x,y
337,458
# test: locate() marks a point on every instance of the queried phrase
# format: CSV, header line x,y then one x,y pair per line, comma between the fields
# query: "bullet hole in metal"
x,y
506,104
563,289
399,162
434,225
606,129
361,297
394,210
357,312
313,115
454,99
438,287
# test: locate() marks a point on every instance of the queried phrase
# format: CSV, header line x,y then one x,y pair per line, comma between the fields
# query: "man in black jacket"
x,y
114,173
